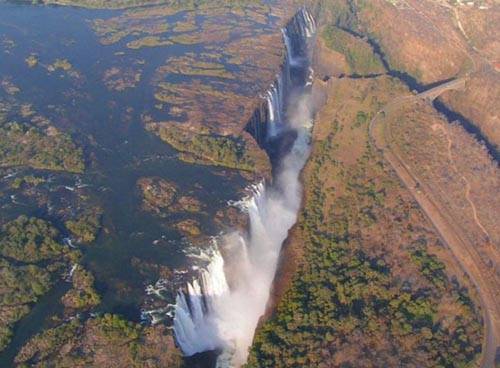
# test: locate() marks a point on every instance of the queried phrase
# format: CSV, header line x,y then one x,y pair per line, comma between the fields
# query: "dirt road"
x,y
450,232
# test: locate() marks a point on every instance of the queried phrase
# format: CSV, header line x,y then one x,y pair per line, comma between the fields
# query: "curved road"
x,y
450,232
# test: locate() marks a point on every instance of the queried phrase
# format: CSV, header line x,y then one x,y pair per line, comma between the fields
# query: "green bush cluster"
x,y
115,327
227,151
29,180
358,53
30,240
86,227
430,266
103,341
24,145
30,259
343,295
82,295
19,287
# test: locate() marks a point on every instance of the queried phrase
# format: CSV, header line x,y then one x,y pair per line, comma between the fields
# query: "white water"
x,y
288,46
307,22
221,317
275,95
220,310
275,107
306,27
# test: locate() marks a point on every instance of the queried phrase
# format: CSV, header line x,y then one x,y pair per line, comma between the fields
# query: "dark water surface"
x,y
118,151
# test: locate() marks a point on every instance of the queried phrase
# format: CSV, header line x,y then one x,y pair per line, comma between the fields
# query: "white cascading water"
x,y
220,310
306,27
288,46
275,94
275,107
307,23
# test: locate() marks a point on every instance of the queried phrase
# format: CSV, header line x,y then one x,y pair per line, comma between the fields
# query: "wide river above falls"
x,y
95,75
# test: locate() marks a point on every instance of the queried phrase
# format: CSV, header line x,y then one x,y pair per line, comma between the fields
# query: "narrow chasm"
x,y
219,310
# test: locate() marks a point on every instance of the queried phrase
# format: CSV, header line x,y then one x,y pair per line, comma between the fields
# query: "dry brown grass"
x,y
479,103
419,38
346,182
463,178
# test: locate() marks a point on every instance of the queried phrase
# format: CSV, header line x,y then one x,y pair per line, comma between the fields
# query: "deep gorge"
x,y
219,310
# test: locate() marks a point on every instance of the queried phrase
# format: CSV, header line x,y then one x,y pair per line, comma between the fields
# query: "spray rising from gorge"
x,y
221,308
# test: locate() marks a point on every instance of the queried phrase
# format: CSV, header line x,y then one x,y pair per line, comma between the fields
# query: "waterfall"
x,y
305,27
308,24
220,309
194,323
275,104
211,315
288,46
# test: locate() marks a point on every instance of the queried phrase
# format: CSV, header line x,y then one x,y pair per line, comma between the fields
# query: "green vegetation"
x,y
210,149
361,118
341,13
30,240
114,327
83,294
342,290
157,194
430,266
107,338
360,294
358,53
24,242
28,180
48,342
86,227
20,286
25,145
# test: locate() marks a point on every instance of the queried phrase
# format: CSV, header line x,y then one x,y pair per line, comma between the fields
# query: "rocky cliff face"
x,y
357,251
431,41
314,295
479,104
418,38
